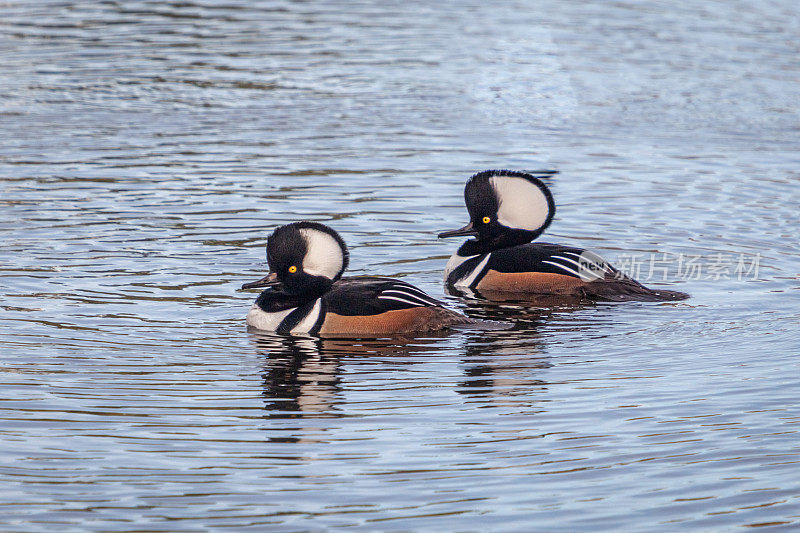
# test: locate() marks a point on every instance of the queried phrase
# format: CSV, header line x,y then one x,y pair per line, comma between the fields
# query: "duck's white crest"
x,y
324,255
521,204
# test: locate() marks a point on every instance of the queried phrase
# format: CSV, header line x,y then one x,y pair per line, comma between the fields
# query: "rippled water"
x,y
149,148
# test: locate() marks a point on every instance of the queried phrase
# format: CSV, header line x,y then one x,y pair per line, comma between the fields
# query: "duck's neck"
x,y
276,300
486,244
280,299
299,290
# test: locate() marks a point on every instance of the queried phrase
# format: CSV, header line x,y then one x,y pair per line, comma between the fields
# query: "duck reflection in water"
x,y
298,376
503,370
303,376
506,367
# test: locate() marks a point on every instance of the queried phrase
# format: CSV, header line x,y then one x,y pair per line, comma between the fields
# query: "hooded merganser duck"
x,y
306,294
507,211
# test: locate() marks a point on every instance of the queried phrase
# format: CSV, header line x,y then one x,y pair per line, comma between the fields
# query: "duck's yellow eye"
x,y
292,269
486,220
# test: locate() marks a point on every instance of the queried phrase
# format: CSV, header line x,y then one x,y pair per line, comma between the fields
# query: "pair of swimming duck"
x,y
307,295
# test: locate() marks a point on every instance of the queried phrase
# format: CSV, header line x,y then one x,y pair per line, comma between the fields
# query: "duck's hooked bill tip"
x,y
467,231
269,280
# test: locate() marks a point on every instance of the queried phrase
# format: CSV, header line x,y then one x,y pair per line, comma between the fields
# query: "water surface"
x,y
150,147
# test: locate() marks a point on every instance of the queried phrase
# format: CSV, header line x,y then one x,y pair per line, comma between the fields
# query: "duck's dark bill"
x,y
267,281
466,231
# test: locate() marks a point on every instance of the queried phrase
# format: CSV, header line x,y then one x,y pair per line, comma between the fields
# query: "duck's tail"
x,y
625,289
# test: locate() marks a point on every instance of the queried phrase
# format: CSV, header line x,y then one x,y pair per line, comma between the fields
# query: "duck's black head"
x,y
506,208
305,259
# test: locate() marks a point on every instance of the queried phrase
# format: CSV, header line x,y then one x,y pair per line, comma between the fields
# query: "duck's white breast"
x,y
467,279
258,318
305,325
454,262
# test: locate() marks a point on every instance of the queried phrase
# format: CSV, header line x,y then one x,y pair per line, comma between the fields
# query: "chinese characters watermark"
x,y
669,266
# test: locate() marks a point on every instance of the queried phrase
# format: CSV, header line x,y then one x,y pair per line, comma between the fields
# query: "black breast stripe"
x,y
323,309
467,268
297,316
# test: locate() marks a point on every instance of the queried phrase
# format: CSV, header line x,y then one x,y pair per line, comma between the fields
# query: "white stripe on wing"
x,y
409,302
601,264
585,272
421,297
562,267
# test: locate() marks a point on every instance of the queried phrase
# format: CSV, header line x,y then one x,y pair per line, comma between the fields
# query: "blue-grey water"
x,y
148,149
